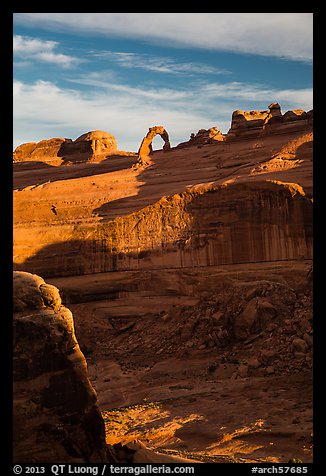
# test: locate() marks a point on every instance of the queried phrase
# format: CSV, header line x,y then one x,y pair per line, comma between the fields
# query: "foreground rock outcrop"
x,y
56,418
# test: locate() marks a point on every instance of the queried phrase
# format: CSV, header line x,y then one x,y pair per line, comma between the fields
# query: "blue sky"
x,y
125,72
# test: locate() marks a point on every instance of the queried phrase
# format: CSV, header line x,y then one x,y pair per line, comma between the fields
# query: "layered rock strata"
x,y
224,202
235,223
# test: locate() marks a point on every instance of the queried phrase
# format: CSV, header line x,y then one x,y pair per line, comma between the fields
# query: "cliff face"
x,y
239,223
56,418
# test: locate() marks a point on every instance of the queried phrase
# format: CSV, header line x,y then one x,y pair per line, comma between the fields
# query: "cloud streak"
x,y
158,64
285,35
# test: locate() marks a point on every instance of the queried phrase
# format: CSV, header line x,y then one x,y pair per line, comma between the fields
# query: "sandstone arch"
x,y
146,149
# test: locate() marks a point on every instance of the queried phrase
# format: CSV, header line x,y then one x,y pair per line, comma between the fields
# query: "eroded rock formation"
x,y
271,120
204,136
56,418
90,146
192,209
49,151
146,149
211,249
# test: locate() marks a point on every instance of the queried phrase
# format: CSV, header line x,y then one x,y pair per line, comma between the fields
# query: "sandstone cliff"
x,y
191,207
272,221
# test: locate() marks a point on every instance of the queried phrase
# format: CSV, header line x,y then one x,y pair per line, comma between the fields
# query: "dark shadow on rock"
x,y
130,204
243,223
304,151
35,173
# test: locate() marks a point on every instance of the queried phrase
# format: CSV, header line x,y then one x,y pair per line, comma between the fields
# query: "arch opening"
x,y
146,147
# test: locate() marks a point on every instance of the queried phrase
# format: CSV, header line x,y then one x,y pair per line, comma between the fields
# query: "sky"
x,y
125,72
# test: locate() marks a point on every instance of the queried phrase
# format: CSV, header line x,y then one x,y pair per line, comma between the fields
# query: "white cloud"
x,y
287,35
43,110
40,50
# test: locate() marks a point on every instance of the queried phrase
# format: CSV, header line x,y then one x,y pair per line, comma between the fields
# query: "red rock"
x,y
308,339
243,371
270,370
87,147
299,345
145,149
254,363
249,123
254,317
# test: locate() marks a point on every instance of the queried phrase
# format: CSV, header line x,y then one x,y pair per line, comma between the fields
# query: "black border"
x,y
6,174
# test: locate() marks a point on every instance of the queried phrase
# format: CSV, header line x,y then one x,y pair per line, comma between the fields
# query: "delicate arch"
x,y
146,148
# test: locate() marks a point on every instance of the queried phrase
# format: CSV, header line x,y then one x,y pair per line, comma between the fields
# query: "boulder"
x,y
254,363
299,345
253,318
243,370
